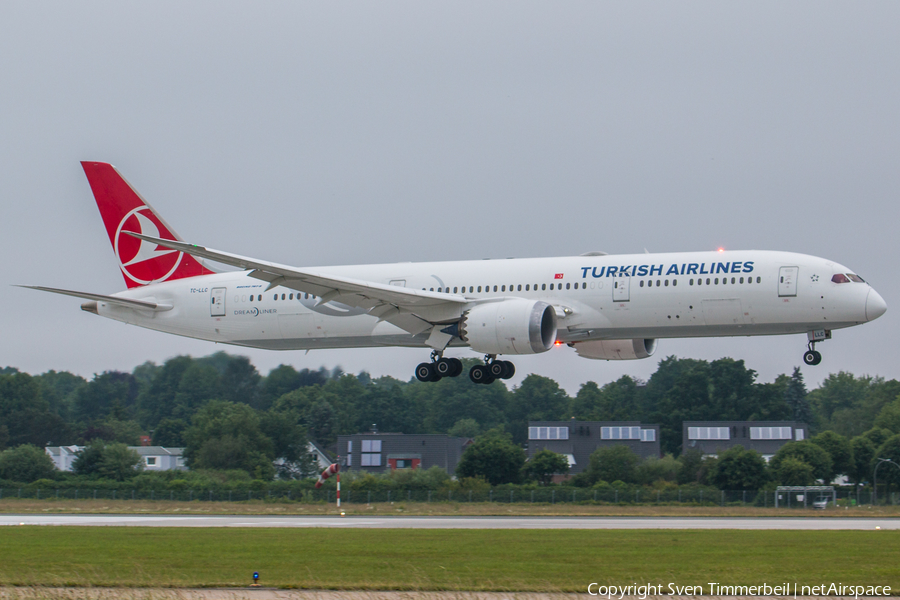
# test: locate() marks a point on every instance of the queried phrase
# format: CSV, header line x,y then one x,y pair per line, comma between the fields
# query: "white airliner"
x,y
609,307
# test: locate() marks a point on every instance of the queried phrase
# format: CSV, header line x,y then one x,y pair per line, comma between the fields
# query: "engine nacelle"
x,y
615,349
515,326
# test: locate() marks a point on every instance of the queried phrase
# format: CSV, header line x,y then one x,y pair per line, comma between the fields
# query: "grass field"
x,y
258,507
501,560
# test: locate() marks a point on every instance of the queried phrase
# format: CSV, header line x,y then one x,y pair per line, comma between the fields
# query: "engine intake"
x,y
515,326
616,349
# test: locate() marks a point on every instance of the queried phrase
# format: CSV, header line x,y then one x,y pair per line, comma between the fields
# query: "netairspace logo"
x,y
785,589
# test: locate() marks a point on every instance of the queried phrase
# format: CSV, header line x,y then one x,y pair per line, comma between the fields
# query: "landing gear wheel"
x,y
480,374
426,372
457,367
812,357
444,367
510,369
497,369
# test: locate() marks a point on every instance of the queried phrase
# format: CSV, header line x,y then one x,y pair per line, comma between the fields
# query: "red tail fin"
x,y
123,209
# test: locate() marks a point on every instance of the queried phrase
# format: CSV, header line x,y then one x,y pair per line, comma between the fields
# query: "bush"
x,y
26,463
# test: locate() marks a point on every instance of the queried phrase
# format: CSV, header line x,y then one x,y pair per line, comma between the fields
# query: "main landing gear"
x,y
438,368
441,367
812,356
492,369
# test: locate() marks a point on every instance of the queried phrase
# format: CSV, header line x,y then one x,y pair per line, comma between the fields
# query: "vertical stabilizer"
x,y
123,209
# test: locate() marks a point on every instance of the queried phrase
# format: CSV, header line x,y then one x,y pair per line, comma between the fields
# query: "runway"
x,y
786,523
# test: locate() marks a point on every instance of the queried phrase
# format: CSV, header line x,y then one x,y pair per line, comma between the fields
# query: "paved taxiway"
x,y
808,523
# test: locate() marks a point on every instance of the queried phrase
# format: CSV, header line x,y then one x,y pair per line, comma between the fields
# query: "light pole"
x,y
875,478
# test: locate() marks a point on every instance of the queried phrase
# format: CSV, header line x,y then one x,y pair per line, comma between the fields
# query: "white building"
x,y
155,458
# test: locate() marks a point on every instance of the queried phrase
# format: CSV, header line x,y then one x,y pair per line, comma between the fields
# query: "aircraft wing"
x,y
126,302
413,310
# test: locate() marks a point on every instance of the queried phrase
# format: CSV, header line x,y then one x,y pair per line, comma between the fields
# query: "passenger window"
x,y
707,281
503,288
642,283
479,289
658,283
667,283
551,287
519,288
674,282
717,281
742,280
759,280
732,280
567,286
543,286
282,296
691,282
495,288
528,287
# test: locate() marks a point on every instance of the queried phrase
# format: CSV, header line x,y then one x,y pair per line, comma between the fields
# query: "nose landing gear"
x,y
492,369
812,356
438,368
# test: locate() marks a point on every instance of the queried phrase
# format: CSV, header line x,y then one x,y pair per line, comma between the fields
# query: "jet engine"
x,y
615,349
515,326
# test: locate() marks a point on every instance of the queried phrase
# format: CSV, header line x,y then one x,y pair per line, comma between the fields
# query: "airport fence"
x,y
511,495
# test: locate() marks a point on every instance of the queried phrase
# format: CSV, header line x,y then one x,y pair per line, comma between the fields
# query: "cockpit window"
x,y
840,278
855,278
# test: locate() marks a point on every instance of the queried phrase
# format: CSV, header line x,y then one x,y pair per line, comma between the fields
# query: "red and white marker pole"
x,y
338,478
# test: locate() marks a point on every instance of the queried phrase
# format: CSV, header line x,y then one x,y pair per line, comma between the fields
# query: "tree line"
x,y
228,416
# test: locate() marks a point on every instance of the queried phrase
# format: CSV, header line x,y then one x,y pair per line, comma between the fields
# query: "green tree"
x,y
226,435
494,457
465,428
862,452
544,465
794,471
169,433
889,473
119,462
536,399
838,448
110,393
889,417
107,461
878,436
613,463
25,415
807,452
691,464
739,469
796,396
655,470
26,463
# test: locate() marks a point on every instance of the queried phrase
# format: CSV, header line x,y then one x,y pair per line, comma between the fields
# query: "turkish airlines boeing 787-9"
x,y
608,307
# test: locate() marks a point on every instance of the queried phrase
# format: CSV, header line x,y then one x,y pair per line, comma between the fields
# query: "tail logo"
x,y
144,262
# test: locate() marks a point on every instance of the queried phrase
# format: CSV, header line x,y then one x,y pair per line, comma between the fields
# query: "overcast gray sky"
x,y
320,133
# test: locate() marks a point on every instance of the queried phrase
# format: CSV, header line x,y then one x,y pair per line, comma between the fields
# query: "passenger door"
x,y
621,288
217,302
787,281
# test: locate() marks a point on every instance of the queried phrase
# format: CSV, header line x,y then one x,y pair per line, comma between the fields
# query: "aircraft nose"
x,y
875,305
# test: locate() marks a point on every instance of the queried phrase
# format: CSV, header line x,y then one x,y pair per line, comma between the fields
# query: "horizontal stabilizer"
x,y
126,302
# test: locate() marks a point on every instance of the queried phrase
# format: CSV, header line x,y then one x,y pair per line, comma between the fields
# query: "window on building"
x,y
770,433
371,445
648,435
150,460
709,433
548,433
370,460
798,434
620,433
